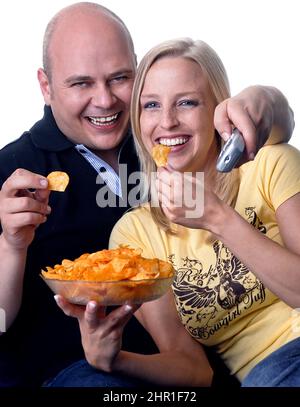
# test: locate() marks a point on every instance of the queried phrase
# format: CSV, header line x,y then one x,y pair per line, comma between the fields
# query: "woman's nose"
x,y
169,119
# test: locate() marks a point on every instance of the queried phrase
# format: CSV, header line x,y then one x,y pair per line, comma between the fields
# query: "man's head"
x,y
89,67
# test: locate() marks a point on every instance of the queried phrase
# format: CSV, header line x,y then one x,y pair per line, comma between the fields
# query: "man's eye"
x,y
80,84
120,78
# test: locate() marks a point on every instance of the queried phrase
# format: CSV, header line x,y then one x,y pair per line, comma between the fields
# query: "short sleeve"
x,y
279,173
130,230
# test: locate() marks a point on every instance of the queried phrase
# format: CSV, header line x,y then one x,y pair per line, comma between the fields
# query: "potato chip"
x,y
122,263
147,269
160,154
58,181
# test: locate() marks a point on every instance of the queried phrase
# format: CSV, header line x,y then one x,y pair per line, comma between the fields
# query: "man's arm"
x,y
283,117
12,266
21,211
261,113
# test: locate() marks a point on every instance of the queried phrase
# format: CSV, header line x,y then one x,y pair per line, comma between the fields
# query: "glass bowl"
x,y
110,292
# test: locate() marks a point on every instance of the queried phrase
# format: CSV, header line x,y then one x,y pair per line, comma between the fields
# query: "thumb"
x,y
42,195
69,309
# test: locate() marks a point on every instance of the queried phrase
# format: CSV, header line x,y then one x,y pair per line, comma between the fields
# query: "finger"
x,y
164,175
164,193
249,133
18,220
71,310
42,195
134,307
118,318
239,116
242,120
173,191
21,180
222,121
25,204
168,176
162,184
169,168
93,315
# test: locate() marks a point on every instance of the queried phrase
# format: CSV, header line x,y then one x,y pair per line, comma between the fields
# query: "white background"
x,y
258,41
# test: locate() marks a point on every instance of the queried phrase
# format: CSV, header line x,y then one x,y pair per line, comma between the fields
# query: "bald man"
x,y
86,82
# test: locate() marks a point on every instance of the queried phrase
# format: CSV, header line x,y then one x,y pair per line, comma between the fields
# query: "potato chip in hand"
x,y
160,154
58,181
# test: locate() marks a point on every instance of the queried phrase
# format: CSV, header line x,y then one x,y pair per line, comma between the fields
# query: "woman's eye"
x,y
150,105
188,103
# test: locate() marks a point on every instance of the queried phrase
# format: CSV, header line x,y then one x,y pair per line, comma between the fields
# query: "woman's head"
x,y
178,85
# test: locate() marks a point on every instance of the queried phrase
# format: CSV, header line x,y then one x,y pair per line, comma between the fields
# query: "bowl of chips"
x,y
110,277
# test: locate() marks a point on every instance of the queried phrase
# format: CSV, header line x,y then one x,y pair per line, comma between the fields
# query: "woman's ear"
x,y
44,85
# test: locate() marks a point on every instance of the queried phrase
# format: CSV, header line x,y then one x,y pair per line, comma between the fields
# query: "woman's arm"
x,y
180,355
276,266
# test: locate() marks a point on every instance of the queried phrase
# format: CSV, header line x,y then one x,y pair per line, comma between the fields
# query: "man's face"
x,y
92,73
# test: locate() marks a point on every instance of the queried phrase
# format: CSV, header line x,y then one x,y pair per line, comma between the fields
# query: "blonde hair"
x,y
226,184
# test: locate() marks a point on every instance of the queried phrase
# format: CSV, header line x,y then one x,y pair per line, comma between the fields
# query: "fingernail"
x,y
225,136
48,210
91,306
56,298
43,182
251,156
128,308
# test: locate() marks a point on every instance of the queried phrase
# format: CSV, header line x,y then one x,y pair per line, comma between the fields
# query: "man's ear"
x,y
44,85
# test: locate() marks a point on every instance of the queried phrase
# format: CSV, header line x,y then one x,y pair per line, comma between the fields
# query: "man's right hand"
x,y
22,211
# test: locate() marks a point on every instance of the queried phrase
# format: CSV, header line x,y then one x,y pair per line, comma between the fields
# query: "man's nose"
x,y
103,97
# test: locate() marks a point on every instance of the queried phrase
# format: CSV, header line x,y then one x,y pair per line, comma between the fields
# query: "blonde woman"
x,y
233,240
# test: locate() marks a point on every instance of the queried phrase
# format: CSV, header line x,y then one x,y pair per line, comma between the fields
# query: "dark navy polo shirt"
x,y
42,340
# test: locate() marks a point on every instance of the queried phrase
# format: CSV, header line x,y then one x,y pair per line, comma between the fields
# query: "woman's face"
x,y
177,109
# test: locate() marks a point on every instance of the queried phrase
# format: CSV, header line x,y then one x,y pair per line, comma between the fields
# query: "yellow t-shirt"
x,y
220,302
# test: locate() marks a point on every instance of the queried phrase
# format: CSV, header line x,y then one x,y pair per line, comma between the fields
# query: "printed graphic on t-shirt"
x,y
209,299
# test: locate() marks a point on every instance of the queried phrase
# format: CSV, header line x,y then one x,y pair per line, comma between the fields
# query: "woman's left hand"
x,y
101,334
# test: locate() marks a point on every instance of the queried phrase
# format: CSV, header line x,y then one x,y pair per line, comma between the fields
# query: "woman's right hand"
x,y
21,211
101,334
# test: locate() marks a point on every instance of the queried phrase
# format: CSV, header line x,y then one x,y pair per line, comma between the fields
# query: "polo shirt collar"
x,y
46,135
